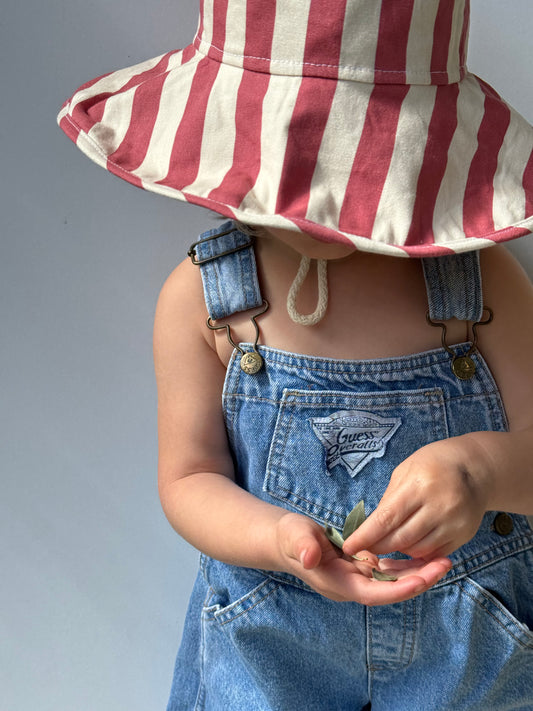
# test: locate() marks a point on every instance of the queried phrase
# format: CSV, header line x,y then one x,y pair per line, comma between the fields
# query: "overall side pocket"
x,y
503,593
234,591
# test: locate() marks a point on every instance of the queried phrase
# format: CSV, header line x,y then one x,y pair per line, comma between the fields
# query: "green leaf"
x,y
354,519
378,575
334,536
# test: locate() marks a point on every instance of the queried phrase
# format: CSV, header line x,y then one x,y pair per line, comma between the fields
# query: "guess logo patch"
x,y
354,437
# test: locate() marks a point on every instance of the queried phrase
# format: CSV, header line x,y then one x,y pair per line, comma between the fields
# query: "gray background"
x,y
94,581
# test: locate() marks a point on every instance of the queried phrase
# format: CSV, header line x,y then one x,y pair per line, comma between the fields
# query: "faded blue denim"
x,y
454,286
316,435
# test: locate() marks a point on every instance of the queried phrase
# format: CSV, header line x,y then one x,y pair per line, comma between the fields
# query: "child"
x,y
348,133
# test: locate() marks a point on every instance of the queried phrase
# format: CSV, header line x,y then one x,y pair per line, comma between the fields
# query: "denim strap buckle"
x,y
225,257
192,251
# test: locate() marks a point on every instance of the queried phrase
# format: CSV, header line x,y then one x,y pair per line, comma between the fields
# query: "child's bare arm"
x,y
437,497
195,470
197,490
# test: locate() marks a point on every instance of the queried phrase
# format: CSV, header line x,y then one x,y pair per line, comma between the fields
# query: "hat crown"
x,y
374,41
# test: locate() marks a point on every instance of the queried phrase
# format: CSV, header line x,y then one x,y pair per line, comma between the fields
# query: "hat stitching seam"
x,y
353,67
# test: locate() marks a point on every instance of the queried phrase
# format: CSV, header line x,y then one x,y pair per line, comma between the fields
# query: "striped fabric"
x,y
355,121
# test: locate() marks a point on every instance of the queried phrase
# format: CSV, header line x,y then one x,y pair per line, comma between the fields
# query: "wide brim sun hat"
x,y
354,121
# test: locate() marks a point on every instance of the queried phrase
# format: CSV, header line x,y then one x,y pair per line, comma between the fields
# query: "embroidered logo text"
x,y
354,437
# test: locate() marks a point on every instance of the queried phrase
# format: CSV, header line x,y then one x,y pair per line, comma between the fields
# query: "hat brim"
x,y
395,169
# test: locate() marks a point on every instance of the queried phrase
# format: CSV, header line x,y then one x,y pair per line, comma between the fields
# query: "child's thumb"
x,y
300,539
307,551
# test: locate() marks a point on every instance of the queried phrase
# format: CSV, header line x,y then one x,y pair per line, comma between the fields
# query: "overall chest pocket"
x,y
330,449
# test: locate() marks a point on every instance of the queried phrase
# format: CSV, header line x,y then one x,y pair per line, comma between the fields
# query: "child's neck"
x,y
307,246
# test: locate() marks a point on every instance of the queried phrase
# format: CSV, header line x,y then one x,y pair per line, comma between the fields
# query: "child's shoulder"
x,y
181,312
508,291
182,292
507,343
504,278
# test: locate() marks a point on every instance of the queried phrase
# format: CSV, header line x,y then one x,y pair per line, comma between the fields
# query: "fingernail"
x,y
302,557
419,589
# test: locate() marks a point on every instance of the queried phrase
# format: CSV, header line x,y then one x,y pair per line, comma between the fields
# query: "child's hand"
x,y
433,504
307,553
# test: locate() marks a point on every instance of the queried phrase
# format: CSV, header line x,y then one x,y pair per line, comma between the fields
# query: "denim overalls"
x,y
316,435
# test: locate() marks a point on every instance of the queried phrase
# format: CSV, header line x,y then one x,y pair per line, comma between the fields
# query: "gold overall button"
x,y
251,363
463,367
503,524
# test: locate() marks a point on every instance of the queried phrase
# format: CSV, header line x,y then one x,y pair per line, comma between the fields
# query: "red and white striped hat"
x,y
355,121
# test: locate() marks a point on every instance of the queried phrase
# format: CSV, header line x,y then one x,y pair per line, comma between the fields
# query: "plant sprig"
x,y
351,523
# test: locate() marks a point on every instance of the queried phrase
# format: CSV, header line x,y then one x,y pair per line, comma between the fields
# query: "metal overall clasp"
x,y
198,262
251,361
463,367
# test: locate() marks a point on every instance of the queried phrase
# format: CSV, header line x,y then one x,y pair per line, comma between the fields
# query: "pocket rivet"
x,y
503,524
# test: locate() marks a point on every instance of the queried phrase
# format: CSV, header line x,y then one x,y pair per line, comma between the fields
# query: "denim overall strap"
x,y
228,268
453,286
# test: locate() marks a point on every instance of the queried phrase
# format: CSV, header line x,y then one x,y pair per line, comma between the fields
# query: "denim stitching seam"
x,y
490,556
248,609
525,645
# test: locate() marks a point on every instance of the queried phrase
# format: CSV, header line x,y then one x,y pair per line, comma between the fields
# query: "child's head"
x,y
355,122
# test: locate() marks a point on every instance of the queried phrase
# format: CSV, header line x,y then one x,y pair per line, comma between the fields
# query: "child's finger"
x,y
375,534
372,592
410,566
367,558
416,538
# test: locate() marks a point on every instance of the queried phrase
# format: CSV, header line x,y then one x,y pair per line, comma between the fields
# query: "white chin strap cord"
x,y
322,303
